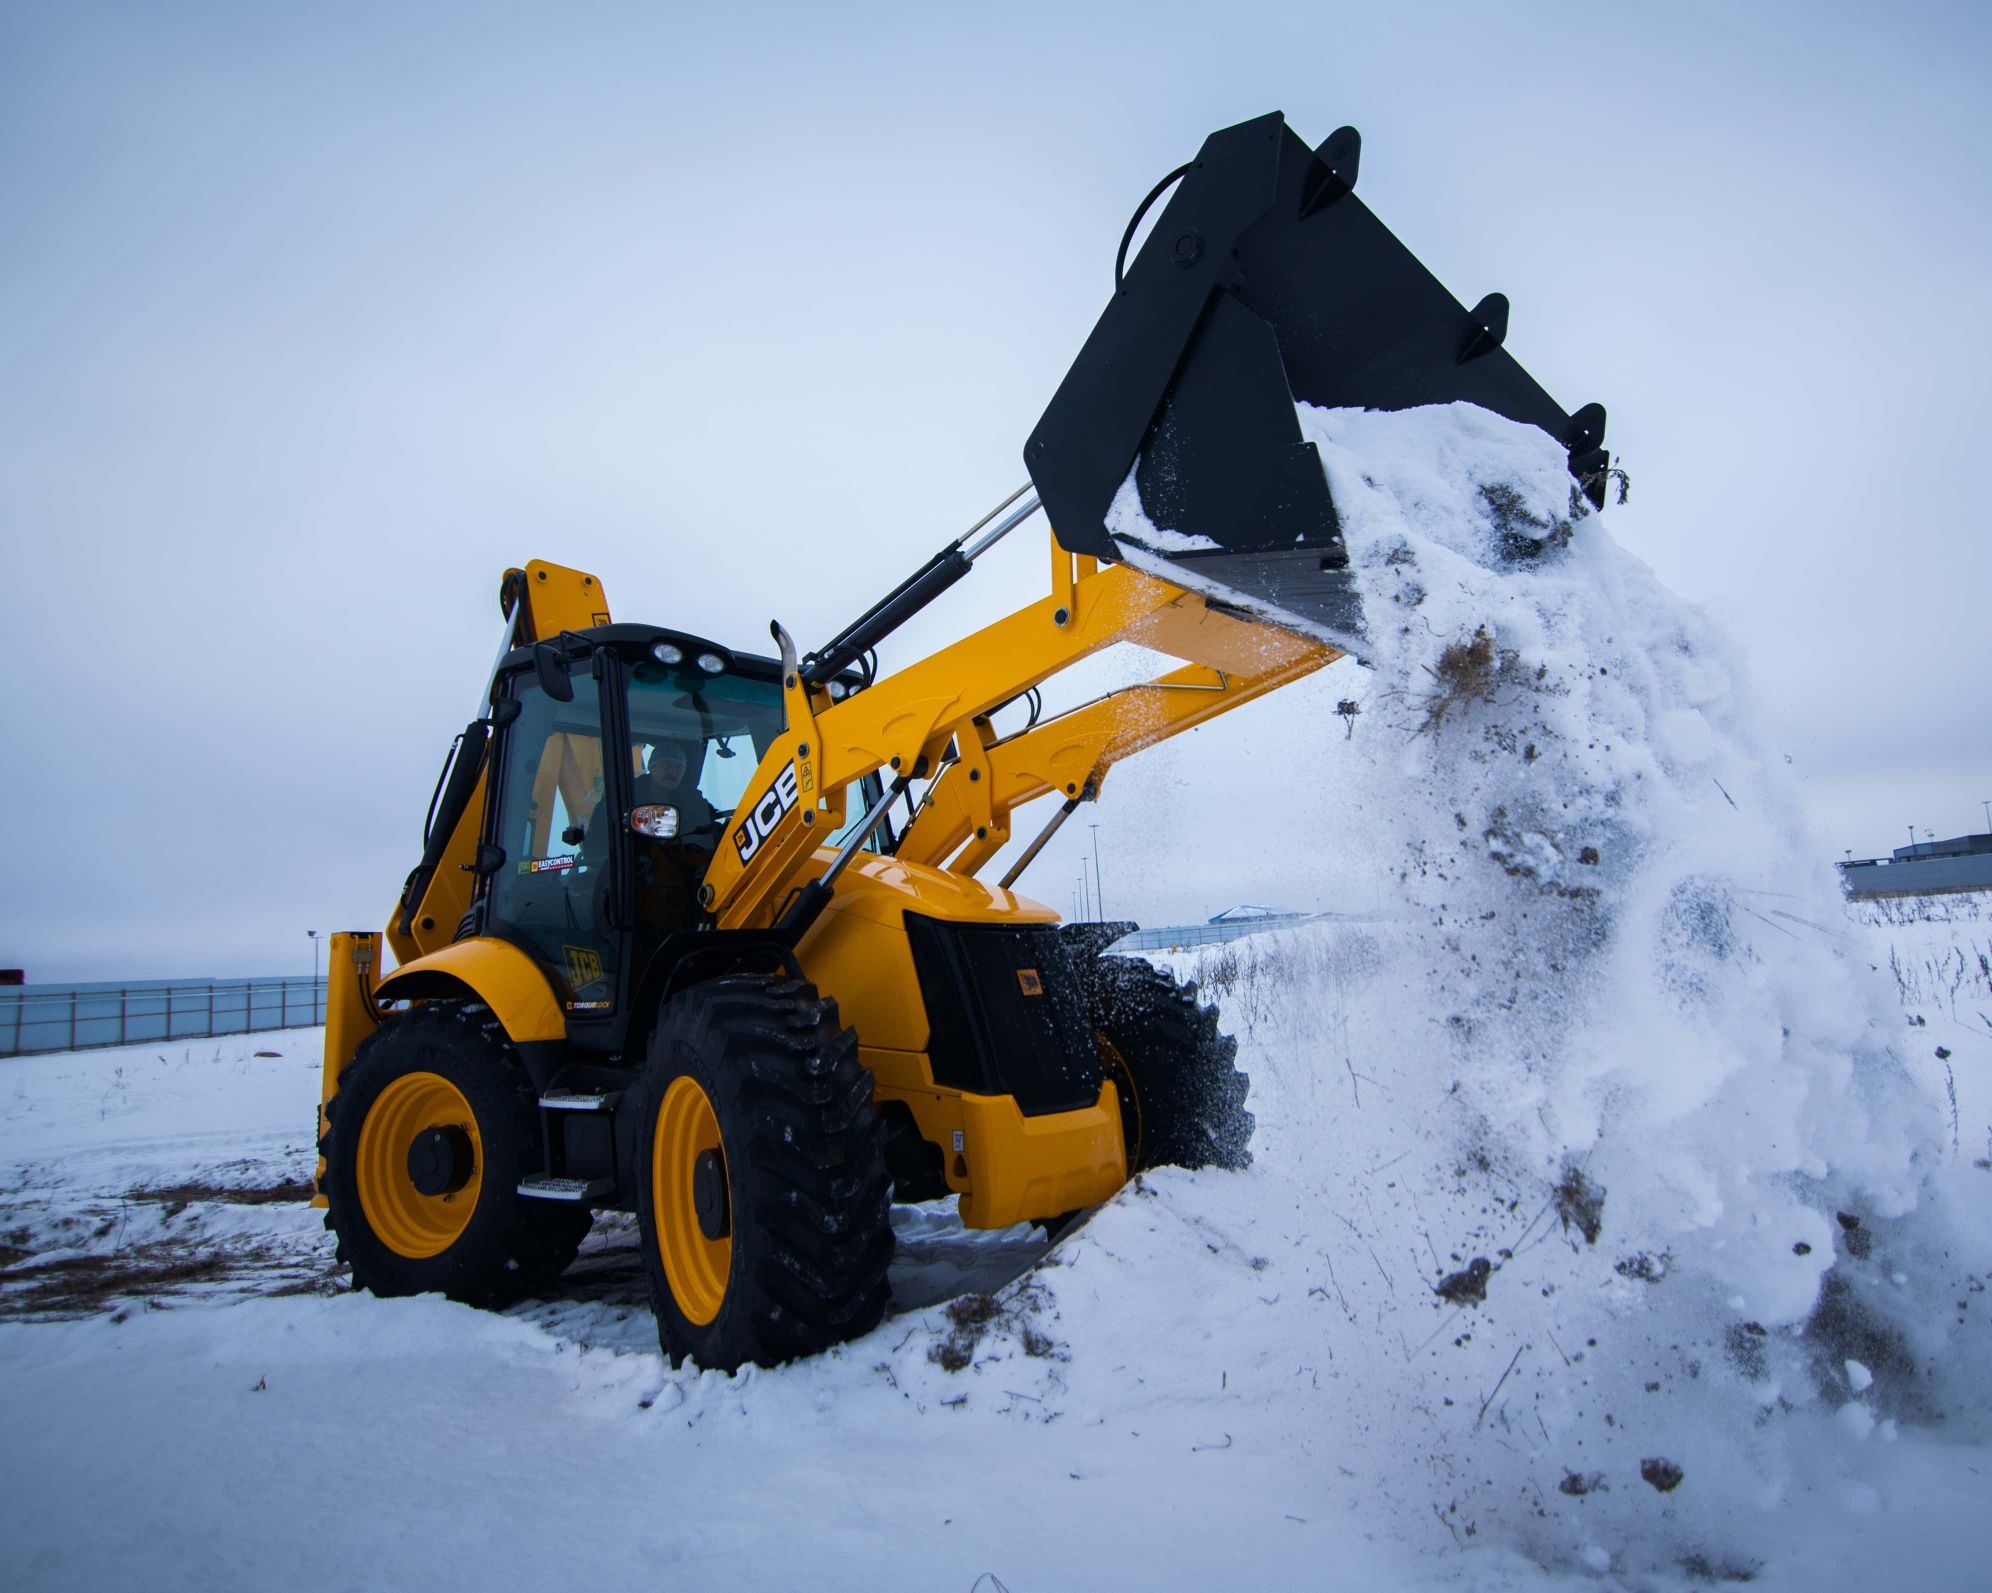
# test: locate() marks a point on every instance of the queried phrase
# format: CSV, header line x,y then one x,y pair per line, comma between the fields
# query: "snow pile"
x,y
1633,1092
1621,906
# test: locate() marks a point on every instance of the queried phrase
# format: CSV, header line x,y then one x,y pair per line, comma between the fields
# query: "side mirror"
x,y
550,664
657,821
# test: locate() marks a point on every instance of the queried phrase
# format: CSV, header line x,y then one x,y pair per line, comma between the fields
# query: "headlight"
x,y
839,691
668,653
711,663
657,821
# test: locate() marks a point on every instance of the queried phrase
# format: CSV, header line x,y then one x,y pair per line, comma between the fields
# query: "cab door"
x,y
554,823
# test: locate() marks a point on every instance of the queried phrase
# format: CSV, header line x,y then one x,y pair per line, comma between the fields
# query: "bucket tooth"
x,y
1587,429
1589,459
1334,170
1489,329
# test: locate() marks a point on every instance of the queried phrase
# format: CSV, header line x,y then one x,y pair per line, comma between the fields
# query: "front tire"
x,y
1182,1099
762,1194
431,1129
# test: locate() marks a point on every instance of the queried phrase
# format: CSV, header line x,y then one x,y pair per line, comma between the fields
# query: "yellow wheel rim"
x,y
1122,1076
695,1266
407,1221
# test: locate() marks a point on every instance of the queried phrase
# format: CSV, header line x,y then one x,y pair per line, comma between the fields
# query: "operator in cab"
x,y
668,871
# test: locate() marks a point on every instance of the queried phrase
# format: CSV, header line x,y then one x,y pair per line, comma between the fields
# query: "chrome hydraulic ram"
x,y
914,593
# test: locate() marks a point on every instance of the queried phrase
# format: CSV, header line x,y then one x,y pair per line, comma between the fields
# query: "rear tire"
x,y
1182,1100
444,1073
762,1194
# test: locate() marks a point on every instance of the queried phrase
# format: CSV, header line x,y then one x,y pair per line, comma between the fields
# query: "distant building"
x,y
1928,868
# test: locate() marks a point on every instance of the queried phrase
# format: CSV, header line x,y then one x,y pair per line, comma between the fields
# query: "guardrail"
x,y
1180,937
36,1018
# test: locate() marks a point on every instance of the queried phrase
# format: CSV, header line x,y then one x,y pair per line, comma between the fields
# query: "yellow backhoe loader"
x,y
700,934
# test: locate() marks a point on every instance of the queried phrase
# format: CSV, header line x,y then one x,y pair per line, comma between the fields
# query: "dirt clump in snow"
x,y
177,1197
1662,1473
973,1317
1468,1286
81,1285
1465,671
1580,1204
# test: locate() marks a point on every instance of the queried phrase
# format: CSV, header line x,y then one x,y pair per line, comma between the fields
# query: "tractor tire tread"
x,y
525,1244
806,1160
1192,1093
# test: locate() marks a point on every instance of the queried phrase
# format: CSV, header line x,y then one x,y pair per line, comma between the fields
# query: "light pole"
x,y
1099,890
315,1013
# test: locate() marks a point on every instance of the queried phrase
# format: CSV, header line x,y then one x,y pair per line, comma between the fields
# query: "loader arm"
x,y
965,817
905,723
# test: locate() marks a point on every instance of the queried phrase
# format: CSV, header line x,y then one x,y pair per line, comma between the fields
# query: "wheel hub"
x,y
688,1200
709,1200
441,1160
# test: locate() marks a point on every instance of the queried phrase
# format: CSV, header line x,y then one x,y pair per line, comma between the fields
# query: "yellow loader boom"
x,y
933,719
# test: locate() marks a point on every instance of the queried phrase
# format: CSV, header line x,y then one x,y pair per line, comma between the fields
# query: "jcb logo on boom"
x,y
765,815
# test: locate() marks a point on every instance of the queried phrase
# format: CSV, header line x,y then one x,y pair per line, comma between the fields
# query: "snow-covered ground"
x,y
1621,1212
1220,1377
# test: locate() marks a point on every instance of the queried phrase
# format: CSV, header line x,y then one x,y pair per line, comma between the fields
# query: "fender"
x,y
692,955
497,973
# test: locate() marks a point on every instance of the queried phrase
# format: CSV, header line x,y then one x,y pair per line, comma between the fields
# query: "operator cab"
x,y
620,755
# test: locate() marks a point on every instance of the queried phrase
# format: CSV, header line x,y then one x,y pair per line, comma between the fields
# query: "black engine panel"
x,y
1007,1011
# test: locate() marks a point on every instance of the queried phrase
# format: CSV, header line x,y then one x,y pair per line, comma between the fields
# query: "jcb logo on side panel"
x,y
765,815
584,967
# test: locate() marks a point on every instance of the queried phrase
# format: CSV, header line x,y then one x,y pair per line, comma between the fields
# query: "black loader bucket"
x,y
1265,280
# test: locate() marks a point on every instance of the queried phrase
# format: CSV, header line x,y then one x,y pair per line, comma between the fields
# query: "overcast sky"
x,y
312,319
